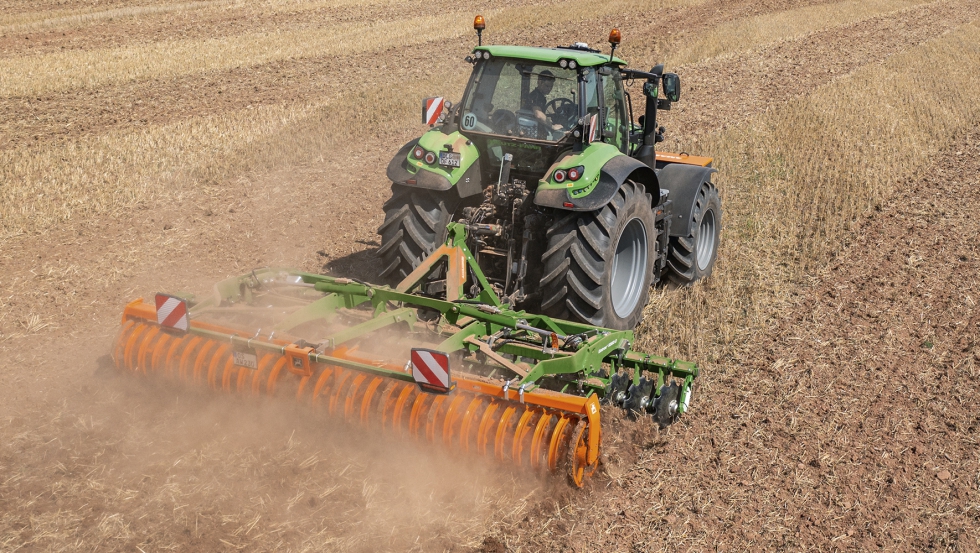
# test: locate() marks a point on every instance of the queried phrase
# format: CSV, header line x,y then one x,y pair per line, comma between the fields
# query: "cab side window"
x,y
615,108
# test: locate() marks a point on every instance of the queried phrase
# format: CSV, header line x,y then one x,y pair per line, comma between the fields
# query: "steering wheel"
x,y
562,111
503,122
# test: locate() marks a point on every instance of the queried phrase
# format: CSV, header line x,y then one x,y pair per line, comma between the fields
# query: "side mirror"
x,y
672,86
650,89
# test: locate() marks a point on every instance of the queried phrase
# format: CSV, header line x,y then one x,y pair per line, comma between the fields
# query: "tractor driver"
x,y
537,100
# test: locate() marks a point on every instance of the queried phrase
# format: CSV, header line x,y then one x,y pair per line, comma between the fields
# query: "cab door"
x,y
615,127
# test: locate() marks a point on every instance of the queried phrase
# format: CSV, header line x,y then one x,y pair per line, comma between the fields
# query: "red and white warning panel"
x,y
430,369
432,109
172,312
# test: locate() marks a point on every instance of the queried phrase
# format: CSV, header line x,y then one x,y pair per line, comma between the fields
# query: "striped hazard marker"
x,y
430,369
172,312
432,109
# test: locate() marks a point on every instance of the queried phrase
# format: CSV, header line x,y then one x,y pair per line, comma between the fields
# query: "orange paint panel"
x,y
436,410
119,352
368,395
464,431
452,417
684,158
216,362
418,408
342,377
158,352
146,347
486,426
555,444
517,451
538,440
203,355
171,361
258,376
227,374
270,385
320,383
185,358
302,387
351,399
131,346
243,376
396,419
502,428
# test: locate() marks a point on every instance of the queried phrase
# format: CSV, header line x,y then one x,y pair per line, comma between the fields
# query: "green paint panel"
x,y
593,158
550,55
436,141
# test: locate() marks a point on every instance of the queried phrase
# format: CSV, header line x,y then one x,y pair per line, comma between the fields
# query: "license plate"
x,y
245,359
449,159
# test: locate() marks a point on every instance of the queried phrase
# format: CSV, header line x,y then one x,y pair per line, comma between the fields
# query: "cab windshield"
x,y
522,99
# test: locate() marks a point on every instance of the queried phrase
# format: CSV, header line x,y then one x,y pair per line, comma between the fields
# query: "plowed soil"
x,y
848,423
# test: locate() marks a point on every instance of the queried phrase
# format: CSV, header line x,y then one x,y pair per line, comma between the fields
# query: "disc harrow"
x,y
523,389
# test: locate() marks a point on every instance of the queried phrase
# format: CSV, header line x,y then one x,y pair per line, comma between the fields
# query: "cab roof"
x,y
550,55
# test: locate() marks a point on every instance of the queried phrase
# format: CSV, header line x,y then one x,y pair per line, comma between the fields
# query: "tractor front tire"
x,y
598,267
692,257
414,226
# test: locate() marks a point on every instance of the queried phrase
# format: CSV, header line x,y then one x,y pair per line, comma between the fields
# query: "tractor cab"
x,y
537,103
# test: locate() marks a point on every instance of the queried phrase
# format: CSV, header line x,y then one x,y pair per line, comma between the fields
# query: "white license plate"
x,y
245,359
449,159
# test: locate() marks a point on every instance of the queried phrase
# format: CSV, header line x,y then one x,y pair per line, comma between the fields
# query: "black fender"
x,y
471,183
682,183
612,176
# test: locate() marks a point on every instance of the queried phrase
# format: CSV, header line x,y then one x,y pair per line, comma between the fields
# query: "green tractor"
x,y
569,209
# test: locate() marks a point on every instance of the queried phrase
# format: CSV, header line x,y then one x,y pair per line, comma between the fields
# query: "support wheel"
x,y
692,257
414,226
598,267
578,467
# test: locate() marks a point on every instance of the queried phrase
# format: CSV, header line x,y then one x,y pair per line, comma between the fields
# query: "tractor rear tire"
x,y
414,226
598,267
692,257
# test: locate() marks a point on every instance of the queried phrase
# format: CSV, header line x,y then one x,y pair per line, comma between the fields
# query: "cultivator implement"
x,y
463,371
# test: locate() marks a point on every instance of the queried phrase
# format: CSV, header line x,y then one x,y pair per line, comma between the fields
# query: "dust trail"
x,y
113,462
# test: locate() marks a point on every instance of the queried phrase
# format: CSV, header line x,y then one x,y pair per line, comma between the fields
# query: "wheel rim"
x,y
629,268
706,240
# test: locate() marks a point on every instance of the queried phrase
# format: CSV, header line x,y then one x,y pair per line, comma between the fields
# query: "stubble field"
x,y
150,146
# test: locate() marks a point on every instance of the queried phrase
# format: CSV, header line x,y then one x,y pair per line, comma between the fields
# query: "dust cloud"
x,y
112,461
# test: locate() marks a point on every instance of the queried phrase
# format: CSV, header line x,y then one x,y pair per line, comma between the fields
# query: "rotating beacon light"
x,y
614,37
479,24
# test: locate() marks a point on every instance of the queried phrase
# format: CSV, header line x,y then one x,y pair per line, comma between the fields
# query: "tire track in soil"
x,y
85,112
851,426
741,87
207,23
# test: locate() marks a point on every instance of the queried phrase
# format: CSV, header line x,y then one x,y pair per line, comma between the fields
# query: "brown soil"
x,y
850,425
78,113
